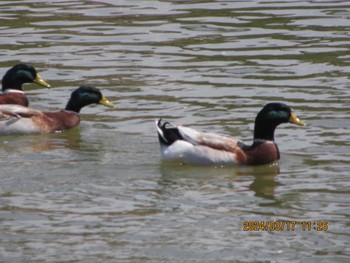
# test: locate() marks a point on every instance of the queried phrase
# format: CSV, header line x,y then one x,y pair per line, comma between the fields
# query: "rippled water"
x,y
99,193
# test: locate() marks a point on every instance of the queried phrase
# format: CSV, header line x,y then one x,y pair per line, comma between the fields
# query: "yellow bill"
x,y
294,119
106,102
40,81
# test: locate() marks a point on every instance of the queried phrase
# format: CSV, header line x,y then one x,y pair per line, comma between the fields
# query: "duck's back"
x,y
16,119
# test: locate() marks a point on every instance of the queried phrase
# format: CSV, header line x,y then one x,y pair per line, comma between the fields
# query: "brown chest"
x,y
58,121
14,98
264,153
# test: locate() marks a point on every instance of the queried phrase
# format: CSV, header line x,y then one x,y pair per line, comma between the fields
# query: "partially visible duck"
x,y
188,146
16,119
12,83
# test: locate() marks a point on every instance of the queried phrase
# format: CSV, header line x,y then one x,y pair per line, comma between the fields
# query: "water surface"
x,y
99,193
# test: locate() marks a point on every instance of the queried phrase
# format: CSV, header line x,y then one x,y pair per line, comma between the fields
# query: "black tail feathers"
x,y
167,135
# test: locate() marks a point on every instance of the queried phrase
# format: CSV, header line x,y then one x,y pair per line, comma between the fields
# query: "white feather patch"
x,y
11,121
13,91
186,152
160,131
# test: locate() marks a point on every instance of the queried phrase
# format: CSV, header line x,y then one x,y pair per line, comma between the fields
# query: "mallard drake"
x,y
16,119
188,146
12,83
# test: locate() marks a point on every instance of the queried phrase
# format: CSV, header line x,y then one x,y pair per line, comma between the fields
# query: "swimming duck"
x,y
16,119
188,146
12,83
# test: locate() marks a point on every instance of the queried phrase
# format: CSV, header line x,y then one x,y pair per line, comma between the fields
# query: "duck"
x,y
12,83
188,146
17,119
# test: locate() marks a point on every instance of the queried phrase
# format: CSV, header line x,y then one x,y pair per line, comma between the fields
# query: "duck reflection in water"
x,y
263,185
42,142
